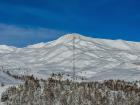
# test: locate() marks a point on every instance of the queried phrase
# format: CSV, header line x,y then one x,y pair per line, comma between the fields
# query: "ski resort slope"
x,y
94,59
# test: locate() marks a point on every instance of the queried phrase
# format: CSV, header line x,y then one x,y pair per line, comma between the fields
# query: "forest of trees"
x,y
55,91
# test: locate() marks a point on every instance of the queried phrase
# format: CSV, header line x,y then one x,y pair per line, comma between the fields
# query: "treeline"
x,y
56,91
21,77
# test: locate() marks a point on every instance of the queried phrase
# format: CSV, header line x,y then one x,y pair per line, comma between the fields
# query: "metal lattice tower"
x,y
73,60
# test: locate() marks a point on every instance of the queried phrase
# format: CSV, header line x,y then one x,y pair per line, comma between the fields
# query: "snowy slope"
x,y
7,80
95,59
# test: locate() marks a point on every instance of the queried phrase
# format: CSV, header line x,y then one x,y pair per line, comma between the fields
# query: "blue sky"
x,y
24,22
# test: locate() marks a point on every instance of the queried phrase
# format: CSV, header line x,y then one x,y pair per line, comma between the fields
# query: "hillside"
x,y
95,59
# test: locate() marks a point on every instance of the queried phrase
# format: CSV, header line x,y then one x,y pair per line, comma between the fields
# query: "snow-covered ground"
x,y
95,59
7,81
2,89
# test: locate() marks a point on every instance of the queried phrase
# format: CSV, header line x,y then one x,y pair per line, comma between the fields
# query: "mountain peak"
x,y
71,36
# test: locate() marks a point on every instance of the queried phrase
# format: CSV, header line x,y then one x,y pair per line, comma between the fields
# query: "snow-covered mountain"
x,y
95,59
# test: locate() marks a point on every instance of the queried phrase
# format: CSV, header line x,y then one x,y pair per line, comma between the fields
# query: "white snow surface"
x,y
95,59
2,89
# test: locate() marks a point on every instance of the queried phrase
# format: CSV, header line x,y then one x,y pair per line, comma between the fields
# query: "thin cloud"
x,y
15,33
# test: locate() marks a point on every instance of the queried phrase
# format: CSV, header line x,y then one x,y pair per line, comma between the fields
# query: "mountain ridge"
x,y
78,36
95,59
68,37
